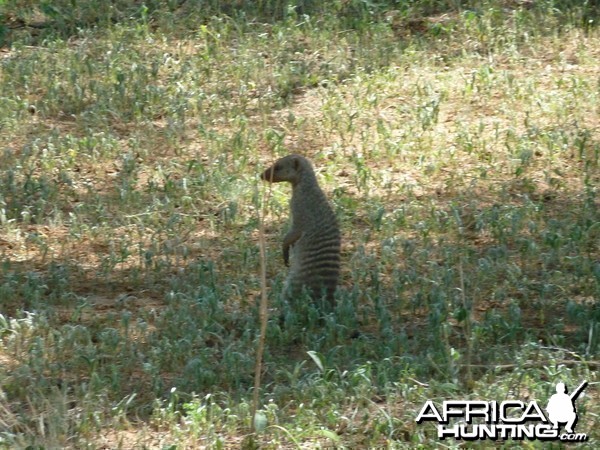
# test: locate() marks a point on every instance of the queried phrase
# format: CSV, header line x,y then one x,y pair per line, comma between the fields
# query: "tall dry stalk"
x,y
263,310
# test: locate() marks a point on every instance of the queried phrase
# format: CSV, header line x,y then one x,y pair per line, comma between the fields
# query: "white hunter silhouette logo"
x,y
509,419
561,406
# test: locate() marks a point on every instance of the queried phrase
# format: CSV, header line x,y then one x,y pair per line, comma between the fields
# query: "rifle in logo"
x,y
578,391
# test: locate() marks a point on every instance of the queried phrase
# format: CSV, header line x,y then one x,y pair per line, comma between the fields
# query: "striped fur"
x,y
314,238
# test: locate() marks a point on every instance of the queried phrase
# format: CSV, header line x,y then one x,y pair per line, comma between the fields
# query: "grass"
x,y
458,142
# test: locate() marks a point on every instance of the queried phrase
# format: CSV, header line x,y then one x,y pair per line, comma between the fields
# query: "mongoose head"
x,y
289,168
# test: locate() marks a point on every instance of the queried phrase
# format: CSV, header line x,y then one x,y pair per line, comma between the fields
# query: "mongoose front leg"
x,y
289,240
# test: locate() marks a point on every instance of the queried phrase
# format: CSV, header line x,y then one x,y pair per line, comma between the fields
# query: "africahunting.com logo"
x,y
510,419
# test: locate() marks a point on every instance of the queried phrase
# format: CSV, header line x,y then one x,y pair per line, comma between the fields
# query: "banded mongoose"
x,y
314,237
